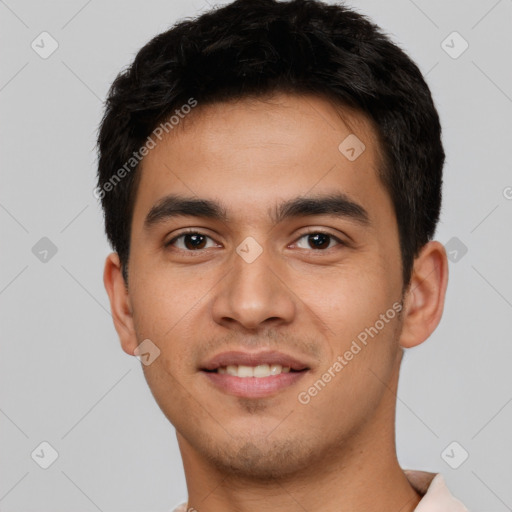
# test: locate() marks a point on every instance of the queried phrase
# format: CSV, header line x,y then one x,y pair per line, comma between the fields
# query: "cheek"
x,y
168,308
354,379
163,301
347,299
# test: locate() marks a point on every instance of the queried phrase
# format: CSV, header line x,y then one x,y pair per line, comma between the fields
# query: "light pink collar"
x,y
436,496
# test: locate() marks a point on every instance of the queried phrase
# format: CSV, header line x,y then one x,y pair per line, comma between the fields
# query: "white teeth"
x,y
245,371
276,369
262,370
232,370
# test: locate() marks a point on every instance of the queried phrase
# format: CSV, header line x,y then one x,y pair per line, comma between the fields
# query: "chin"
x,y
260,459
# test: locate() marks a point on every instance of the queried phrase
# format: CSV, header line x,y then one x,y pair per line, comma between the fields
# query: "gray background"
x,y
63,376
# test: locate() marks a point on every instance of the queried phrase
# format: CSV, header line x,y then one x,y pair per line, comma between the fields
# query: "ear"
x,y
120,303
424,298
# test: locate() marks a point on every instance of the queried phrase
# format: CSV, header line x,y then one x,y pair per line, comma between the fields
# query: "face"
x,y
305,281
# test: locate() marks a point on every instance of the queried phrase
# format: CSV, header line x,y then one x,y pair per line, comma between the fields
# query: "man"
x,y
271,179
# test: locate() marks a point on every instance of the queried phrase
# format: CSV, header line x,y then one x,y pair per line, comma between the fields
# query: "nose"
x,y
254,294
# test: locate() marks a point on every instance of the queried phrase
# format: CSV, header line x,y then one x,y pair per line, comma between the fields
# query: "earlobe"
x,y
424,300
120,304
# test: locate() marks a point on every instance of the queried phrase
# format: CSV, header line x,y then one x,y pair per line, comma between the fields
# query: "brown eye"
x,y
190,241
319,240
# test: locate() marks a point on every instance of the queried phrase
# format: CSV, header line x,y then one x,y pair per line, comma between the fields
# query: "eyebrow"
x,y
337,205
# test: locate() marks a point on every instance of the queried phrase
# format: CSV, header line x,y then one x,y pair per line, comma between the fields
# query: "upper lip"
x,y
236,358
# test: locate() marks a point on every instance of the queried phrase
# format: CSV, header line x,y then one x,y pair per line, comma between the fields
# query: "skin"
x,y
338,451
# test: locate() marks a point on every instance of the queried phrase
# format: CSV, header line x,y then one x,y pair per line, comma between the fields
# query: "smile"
x,y
253,381
262,370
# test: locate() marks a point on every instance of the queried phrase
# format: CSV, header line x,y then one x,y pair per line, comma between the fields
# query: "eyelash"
x,y
312,232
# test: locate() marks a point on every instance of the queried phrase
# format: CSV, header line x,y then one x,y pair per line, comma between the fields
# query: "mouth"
x,y
259,372
253,375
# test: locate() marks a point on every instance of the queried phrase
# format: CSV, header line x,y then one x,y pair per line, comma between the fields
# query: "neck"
x,y
360,473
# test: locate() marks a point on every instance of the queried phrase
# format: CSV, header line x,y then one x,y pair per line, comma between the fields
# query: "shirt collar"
x,y
436,496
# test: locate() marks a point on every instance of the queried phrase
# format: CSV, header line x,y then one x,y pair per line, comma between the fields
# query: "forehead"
x,y
252,153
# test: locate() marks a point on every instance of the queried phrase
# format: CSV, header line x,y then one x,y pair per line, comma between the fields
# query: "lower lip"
x,y
253,387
